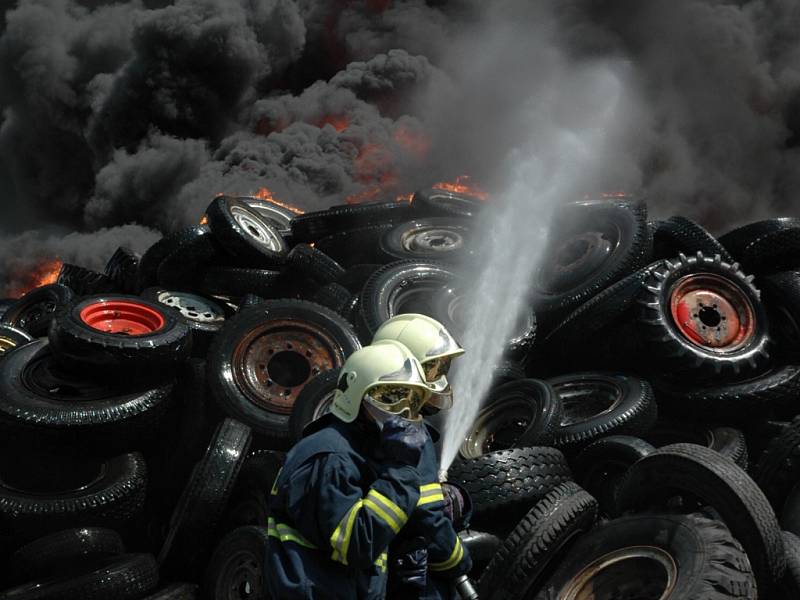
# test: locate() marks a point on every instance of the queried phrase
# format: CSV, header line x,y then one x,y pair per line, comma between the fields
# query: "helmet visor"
x,y
436,371
402,400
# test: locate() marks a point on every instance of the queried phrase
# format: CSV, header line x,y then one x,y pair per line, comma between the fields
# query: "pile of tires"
x,y
641,438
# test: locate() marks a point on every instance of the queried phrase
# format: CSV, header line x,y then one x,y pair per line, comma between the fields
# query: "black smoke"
x,y
121,120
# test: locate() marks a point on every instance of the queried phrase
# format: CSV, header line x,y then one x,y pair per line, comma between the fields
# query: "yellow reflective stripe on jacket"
x,y
287,534
455,558
274,490
381,561
429,493
340,539
387,510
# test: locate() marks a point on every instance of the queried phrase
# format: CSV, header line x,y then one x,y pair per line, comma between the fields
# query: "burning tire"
x,y
678,235
435,238
504,484
34,311
704,475
313,401
596,404
445,202
537,541
238,564
11,337
266,354
203,501
599,243
516,414
40,402
665,557
119,333
244,234
313,226
124,577
203,316
701,315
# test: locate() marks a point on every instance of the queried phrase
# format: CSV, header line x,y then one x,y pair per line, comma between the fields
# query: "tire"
x,y
506,372
33,312
538,540
443,239
766,246
63,552
335,297
503,485
238,563
678,327
176,591
203,316
313,401
124,577
203,501
41,404
314,264
729,442
84,282
137,336
778,468
277,216
355,246
356,276
69,492
481,546
520,413
781,295
611,240
446,203
244,234
402,287
313,226
249,503
600,466
790,513
620,405
147,272
122,270
707,563
791,579
234,281
182,268
11,337
681,235
772,392
718,482
244,392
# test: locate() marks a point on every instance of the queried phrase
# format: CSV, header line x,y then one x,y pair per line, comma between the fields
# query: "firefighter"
x,y
427,555
349,486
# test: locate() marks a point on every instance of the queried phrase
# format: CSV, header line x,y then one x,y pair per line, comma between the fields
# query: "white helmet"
x,y
387,377
430,343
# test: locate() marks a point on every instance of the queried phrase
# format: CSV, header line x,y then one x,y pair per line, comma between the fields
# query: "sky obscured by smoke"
x,y
133,114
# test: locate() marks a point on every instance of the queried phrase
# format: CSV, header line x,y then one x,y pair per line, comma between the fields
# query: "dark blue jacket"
x,y
334,510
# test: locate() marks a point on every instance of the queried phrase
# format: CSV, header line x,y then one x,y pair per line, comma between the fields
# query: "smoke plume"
x,y
133,114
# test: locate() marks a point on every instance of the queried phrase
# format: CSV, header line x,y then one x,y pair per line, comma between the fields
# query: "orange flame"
x,y
339,123
45,273
266,194
462,185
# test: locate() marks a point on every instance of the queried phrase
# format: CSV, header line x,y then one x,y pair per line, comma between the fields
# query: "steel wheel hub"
x,y
272,364
256,228
712,312
195,308
243,578
497,428
432,239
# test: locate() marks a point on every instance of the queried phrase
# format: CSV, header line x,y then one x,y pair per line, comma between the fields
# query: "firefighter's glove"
x,y
402,440
411,565
457,505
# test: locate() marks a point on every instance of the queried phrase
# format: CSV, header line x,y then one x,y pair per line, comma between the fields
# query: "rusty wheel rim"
x,y
712,313
273,362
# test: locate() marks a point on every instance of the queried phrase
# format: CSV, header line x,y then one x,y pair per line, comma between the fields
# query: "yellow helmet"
x,y
388,377
431,344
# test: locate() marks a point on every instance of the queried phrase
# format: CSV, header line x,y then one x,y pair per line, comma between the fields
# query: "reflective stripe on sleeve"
x,y
430,493
340,539
287,534
387,510
274,490
455,558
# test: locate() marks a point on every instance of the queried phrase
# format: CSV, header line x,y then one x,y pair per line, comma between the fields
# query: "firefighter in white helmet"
x,y
422,557
350,485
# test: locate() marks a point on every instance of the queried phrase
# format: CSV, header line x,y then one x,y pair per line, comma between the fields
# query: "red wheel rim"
x,y
122,317
712,312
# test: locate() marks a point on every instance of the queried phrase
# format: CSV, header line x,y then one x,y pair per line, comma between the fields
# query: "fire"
x,y
265,194
462,185
45,273
339,123
413,142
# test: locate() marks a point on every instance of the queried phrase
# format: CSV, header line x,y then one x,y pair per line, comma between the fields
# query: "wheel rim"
x,y
323,407
36,312
427,240
256,228
194,308
578,258
585,400
43,378
122,317
241,577
412,299
641,572
498,427
712,313
273,362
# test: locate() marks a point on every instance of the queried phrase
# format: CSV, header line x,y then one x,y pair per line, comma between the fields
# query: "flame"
x,y
339,123
45,273
462,185
405,197
204,220
416,143
266,194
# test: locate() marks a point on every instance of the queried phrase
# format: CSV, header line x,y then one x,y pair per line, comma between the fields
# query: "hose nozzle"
x,y
465,588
